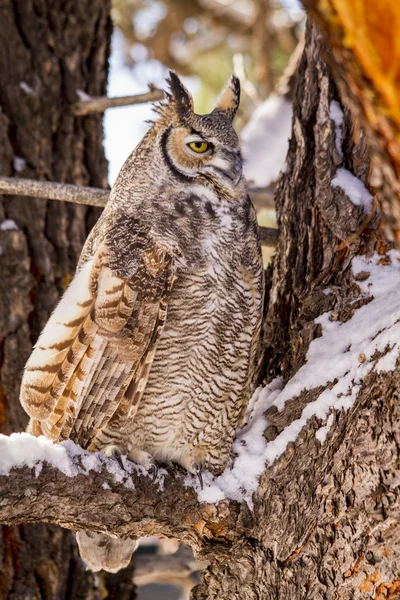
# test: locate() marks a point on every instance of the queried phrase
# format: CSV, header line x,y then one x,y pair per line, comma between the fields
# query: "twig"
x,y
54,191
86,195
101,103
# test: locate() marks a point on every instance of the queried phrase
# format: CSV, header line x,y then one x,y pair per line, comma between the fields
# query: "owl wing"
x,y
98,344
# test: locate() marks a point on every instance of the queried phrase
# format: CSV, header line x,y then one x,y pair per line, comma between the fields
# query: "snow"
x,y
83,96
353,188
344,354
19,163
23,450
8,225
336,114
265,140
26,88
323,431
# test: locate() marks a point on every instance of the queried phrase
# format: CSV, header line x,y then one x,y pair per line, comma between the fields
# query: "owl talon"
x,y
118,457
113,452
199,475
154,469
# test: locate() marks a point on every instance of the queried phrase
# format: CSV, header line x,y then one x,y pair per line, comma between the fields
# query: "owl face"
x,y
201,146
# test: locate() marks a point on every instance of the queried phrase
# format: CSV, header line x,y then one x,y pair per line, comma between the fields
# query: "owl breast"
x,y
200,379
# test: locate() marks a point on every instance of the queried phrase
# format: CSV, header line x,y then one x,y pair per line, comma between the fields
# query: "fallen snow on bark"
x,y
323,431
265,140
345,354
336,114
354,188
23,450
8,225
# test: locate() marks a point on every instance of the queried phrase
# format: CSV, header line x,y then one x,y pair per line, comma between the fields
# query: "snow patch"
x,y
8,225
336,114
265,140
26,88
19,163
83,96
23,450
323,431
354,189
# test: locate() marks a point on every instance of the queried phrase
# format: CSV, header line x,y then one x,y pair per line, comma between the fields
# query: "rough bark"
x,y
325,522
49,50
363,37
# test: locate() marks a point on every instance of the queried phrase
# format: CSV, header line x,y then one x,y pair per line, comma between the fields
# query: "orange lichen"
x,y
294,554
388,591
355,568
368,584
199,526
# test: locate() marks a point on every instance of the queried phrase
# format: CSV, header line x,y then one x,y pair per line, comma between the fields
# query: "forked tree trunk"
x,y
49,50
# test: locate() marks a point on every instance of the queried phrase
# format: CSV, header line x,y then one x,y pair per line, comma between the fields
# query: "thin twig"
x,y
54,191
85,195
101,103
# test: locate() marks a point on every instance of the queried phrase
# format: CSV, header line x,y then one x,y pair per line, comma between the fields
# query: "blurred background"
x,y
205,41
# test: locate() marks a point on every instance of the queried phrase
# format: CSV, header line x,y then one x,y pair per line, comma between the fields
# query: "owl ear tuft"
x,y
181,98
229,98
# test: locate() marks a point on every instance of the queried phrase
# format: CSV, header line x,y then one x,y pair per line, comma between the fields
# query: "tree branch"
x,y
54,191
63,484
100,103
66,192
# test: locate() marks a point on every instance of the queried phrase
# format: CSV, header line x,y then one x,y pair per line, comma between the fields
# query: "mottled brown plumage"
x,y
151,351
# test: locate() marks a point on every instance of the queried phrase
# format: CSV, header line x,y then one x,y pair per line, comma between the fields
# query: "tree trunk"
x,y
325,520
49,51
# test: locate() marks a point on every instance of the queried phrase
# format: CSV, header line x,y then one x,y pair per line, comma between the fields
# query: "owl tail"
x,y
100,551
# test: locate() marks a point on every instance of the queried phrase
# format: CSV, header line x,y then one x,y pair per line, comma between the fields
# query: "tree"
x,y
326,511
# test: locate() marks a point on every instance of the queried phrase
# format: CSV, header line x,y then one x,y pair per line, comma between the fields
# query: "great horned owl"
x,y
151,351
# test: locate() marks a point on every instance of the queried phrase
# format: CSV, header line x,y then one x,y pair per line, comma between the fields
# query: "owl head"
x,y
199,147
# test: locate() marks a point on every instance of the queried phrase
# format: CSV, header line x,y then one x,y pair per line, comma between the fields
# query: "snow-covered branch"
x,y
91,196
63,484
88,105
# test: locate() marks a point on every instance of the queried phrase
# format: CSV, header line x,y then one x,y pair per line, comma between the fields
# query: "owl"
x,y
151,352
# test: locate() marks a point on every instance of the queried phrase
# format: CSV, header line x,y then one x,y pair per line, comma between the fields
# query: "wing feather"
x,y
92,360
60,346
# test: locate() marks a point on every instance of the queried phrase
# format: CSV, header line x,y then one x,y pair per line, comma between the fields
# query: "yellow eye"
x,y
199,147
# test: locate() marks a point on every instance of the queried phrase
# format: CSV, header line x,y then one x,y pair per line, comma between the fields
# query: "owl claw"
x,y
199,476
113,452
154,468
118,457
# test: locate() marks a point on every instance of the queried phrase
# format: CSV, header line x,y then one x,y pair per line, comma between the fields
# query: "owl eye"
x,y
199,147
